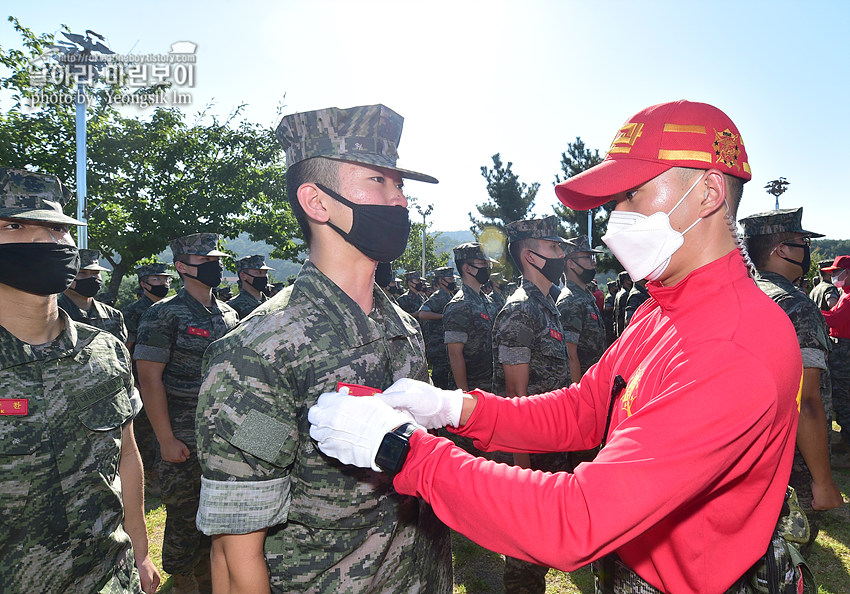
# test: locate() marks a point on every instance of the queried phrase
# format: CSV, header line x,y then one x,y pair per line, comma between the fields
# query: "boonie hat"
x,y
367,134
255,262
90,260
678,134
786,220
196,244
841,262
32,196
545,228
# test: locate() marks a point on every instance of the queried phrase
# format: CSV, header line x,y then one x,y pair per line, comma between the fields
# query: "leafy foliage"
x,y
509,199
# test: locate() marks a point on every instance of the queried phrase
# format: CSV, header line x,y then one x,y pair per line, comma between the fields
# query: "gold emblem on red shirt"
x,y
629,396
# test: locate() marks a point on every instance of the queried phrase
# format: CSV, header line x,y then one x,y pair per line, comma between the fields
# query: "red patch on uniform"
x,y
555,334
198,332
594,316
14,406
357,389
485,316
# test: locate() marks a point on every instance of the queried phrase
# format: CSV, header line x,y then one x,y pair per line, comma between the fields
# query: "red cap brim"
x,y
601,183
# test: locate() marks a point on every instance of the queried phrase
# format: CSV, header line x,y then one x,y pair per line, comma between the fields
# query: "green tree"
x,y
149,180
509,199
411,259
573,223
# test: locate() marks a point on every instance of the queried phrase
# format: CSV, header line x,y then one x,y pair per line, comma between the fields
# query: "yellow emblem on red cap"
x,y
626,138
727,148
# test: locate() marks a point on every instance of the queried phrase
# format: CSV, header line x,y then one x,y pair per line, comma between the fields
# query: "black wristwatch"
x,y
394,448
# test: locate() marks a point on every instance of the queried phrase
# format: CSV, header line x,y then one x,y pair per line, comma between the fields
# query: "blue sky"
x,y
519,78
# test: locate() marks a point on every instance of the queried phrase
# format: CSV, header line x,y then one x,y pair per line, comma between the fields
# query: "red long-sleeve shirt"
x,y
838,318
687,490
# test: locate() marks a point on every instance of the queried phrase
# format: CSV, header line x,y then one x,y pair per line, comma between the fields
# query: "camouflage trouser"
x,y
612,576
839,371
183,546
125,580
146,442
441,374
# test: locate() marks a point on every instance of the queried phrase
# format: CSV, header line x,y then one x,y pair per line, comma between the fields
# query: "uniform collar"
x,y
533,292
14,352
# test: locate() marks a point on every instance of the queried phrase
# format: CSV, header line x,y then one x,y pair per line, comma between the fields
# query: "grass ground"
x,y
479,571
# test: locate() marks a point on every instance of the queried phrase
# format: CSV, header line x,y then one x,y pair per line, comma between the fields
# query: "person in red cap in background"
x,y
838,320
695,411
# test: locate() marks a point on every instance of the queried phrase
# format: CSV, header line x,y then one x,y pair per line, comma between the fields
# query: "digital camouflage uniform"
x,y
812,334
528,331
410,301
61,512
434,334
99,314
497,297
468,319
583,324
331,527
244,303
176,331
822,293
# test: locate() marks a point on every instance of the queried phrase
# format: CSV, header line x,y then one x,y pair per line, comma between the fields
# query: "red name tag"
x,y
555,334
485,316
198,332
357,389
14,406
594,316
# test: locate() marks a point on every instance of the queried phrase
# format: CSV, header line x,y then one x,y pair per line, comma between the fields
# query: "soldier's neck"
x,y
33,319
349,270
201,292
81,301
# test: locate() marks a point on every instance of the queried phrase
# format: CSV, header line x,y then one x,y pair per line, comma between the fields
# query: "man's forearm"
x,y
132,492
812,434
156,402
458,365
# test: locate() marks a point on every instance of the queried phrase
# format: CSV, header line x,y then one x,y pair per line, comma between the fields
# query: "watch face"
x,y
393,451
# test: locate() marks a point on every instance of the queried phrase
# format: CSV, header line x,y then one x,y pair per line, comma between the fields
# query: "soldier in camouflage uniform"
x,y
253,284
779,247
155,282
620,300
78,300
72,511
413,299
280,511
825,294
172,337
584,329
468,321
431,320
530,356
497,282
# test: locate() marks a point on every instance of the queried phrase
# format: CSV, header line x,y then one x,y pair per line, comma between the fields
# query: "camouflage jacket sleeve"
x,y
247,441
456,322
514,333
155,336
571,311
811,328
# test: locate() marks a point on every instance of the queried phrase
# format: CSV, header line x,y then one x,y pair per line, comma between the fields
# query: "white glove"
x,y
351,428
431,407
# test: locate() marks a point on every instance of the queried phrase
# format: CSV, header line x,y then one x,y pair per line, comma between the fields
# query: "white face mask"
x,y
838,279
644,244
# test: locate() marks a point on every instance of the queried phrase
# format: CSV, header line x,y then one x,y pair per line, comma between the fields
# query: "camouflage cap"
x,y
197,244
470,251
413,274
152,269
444,272
579,245
255,262
32,196
786,220
90,260
545,228
497,277
367,134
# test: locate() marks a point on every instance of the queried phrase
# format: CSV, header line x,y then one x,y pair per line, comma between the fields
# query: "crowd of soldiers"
x,y
223,436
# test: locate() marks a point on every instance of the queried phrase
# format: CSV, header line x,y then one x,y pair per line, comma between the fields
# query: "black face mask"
x,y
88,287
552,269
57,266
587,274
209,273
379,232
807,256
451,287
419,287
384,274
158,291
482,275
260,283
394,290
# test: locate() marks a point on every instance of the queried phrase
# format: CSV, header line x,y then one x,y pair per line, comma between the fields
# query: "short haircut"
x,y
515,249
315,170
734,186
759,247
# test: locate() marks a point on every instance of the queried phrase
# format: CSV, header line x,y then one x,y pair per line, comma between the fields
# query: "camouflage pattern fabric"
x,y
435,346
33,196
90,260
528,331
498,300
470,250
815,345
545,228
620,300
783,220
839,372
468,319
61,512
133,314
583,324
176,331
633,301
822,293
367,134
255,262
152,269
332,527
244,303
99,315
411,302
196,244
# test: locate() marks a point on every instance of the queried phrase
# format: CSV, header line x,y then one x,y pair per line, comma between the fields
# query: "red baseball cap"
x,y
677,134
841,262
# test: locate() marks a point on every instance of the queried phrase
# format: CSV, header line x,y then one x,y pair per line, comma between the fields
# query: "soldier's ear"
x,y
312,201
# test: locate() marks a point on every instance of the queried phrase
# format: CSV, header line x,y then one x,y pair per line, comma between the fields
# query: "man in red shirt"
x,y
695,411
838,320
